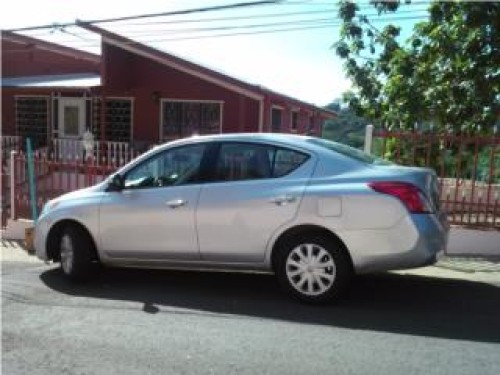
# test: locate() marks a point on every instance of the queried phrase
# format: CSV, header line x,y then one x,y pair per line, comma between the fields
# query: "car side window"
x,y
250,161
178,166
286,161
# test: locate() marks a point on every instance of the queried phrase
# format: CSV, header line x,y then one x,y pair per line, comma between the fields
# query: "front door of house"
x,y
71,117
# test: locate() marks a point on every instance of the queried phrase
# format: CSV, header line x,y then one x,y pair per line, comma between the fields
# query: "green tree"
x,y
447,72
346,128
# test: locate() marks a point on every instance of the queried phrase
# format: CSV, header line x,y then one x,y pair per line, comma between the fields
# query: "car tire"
x,y
314,268
76,247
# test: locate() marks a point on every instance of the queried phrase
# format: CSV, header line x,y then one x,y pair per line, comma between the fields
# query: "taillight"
x,y
409,194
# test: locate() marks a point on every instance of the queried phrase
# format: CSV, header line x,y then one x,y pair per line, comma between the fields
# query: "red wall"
x,y
20,60
127,74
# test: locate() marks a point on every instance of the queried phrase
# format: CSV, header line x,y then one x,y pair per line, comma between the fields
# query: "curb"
x,y
470,264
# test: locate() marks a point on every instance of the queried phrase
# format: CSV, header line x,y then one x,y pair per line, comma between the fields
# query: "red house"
x,y
134,94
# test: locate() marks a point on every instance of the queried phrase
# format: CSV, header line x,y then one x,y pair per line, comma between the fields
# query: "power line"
x,y
323,25
60,26
156,31
250,17
151,15
232,18
225,28
253,32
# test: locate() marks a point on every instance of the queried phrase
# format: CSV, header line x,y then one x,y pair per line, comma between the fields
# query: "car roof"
x,y
287,139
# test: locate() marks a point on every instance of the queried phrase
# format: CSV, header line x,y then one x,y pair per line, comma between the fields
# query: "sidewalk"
x,y
14,251
469,263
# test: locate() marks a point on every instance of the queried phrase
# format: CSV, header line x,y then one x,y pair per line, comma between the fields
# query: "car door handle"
x,y
176,203
283,199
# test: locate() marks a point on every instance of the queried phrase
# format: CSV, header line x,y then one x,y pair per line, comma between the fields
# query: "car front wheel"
x,y
315,269
76,253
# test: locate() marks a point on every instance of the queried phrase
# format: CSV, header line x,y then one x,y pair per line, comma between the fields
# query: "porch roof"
x,y
64,80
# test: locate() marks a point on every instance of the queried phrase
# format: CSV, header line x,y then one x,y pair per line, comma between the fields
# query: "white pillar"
x,y
368,138
12,184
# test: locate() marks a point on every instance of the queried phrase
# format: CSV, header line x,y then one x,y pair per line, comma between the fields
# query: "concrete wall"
x,y
474,242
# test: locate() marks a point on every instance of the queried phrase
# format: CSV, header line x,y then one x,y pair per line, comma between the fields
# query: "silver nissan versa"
x,y
312,211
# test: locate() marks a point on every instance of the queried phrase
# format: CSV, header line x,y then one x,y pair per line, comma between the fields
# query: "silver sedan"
x,y
312,211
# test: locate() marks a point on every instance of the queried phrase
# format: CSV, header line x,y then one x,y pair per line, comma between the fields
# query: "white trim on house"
x,y
52,117
61,81
191,100
160,123
261,115
184,69
132,114
132,98
31,96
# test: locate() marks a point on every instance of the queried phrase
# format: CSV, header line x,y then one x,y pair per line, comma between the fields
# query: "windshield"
x,y
348,151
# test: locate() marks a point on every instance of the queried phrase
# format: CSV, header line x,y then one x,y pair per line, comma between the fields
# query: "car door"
x,y
152,218
255,189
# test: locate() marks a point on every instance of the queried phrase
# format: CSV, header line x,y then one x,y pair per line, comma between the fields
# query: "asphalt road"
x,y
432,321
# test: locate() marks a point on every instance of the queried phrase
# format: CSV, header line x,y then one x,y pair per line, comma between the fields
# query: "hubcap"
x,y
310,269
67,254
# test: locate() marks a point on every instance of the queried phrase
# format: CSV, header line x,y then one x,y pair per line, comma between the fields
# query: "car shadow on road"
x,y
395,303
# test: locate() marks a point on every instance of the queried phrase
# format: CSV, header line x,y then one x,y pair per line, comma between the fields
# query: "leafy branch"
x,y
446,73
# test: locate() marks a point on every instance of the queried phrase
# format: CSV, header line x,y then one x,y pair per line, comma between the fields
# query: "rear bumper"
x,y
432,239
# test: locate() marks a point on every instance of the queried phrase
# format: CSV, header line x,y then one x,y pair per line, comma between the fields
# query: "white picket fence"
x,y
9,143
106,152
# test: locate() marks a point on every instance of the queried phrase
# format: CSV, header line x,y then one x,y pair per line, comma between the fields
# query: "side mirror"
x,y
117,183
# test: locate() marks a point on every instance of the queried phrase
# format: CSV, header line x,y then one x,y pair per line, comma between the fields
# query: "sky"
x,y
298,63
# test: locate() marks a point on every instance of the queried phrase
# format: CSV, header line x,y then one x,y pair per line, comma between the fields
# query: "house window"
x,y
118,115
185,118
32,119
276,119
294,121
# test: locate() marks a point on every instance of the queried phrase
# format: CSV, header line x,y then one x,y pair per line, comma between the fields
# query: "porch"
x,y
64,150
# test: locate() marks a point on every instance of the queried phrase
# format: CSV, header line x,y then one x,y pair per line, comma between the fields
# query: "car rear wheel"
x,y
314,269
76,253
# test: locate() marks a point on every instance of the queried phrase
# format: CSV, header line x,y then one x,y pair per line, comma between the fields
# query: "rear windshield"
x,y
348,151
